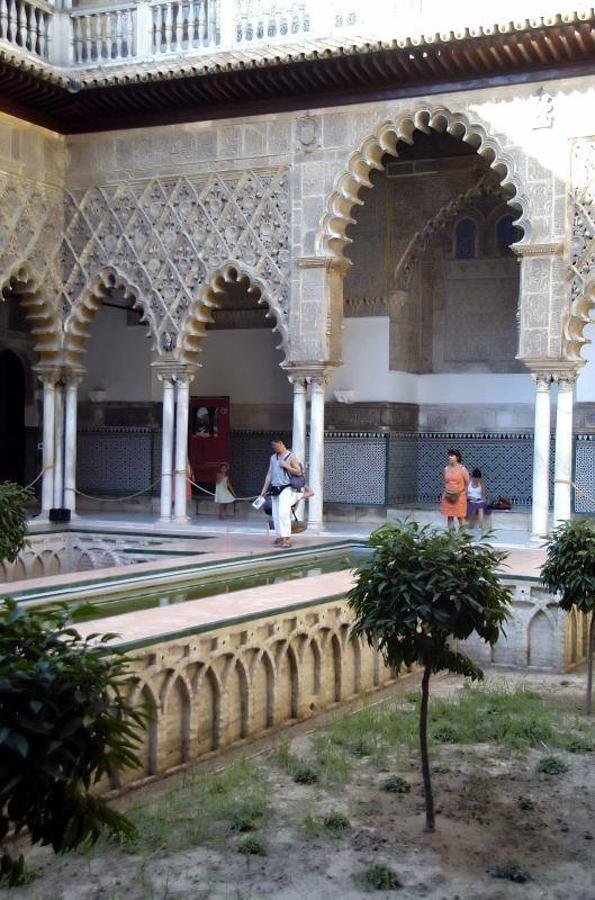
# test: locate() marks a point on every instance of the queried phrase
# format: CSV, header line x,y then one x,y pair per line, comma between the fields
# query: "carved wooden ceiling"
x,y
182,93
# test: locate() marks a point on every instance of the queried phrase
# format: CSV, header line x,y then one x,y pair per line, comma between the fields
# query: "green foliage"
x,y
304,773
379,878
417,591
64,724
511,871
570,566
515,718
552,765
331,759
203,810
570,572
253,846
336,823
422,587
14,501
396,785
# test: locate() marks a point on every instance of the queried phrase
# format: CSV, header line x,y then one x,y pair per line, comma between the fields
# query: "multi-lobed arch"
x,y
46,325
337,217
77,326
580,315
200,312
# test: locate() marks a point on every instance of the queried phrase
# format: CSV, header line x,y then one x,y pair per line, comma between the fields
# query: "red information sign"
x,y
208,436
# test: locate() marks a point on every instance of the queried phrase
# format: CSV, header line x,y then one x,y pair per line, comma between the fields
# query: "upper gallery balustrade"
x,y
88,36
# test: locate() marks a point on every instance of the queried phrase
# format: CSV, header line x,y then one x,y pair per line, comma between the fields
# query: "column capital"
x,y
309,373
550,248
542,379
73,376
49,375
565,379
173,371
338,264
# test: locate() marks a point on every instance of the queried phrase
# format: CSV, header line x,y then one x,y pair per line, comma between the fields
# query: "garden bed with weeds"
x,y
337,810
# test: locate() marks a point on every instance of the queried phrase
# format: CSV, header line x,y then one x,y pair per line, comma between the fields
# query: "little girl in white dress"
x,y
223,490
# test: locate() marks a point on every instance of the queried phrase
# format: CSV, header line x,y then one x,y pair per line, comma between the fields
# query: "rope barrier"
x,y
212,494
118,499
36,479
577,489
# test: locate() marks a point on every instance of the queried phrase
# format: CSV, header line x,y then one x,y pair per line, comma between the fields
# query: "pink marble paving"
x,y
253,602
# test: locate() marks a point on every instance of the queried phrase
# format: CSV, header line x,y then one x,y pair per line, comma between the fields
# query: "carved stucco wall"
x,y
300,172
582,246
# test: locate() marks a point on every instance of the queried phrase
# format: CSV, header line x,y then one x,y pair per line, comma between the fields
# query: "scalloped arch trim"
x,y
46,326
580,316
332,235
200,312
77,326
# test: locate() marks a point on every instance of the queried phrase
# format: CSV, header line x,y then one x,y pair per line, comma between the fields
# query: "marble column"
x,y
167,448
47,479
298,440
563,456
59,445
316,451
541,455
70,438
181,451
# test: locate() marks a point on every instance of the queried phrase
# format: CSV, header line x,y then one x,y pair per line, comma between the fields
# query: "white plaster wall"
x,y
118,359
244,365
365,371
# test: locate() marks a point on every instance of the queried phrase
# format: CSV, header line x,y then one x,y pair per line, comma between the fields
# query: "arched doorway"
x,y
240,371
12,417
430,314
117,409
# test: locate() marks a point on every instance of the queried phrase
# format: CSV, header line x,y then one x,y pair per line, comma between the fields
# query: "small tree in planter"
x,y
570,572
64,723
420,589
14,501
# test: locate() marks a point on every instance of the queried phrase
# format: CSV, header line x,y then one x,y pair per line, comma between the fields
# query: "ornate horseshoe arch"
x,y
332,236
46,326
77,326
200,312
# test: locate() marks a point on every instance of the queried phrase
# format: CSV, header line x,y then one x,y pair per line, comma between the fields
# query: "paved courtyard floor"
x,y
215,541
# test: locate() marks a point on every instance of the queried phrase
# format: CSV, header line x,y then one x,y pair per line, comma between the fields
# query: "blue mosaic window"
x,y
506,234
465,239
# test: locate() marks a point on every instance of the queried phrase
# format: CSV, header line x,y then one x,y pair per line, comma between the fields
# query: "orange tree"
x,y
420,590
64,723
570,572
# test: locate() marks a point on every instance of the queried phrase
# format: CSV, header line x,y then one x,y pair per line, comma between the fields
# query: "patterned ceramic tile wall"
x,y
584,474
355,469
123,460
114,460
250,454
402,469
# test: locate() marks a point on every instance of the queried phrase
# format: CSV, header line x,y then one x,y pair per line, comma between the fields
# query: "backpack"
x,y
296,482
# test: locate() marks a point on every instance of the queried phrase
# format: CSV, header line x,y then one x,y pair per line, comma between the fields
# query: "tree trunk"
x,y
423,746
590,665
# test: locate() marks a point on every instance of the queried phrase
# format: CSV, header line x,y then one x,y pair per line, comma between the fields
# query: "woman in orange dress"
x,y
453,504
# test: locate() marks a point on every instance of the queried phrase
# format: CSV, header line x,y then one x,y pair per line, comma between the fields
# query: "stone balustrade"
x,y
27,25
103,34
147,30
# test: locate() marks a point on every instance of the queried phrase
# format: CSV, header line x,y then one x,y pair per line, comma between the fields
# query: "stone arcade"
x,y
465,207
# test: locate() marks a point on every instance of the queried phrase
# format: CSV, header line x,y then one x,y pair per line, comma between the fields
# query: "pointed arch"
x,y
46,324
200,312
77,326
332,235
